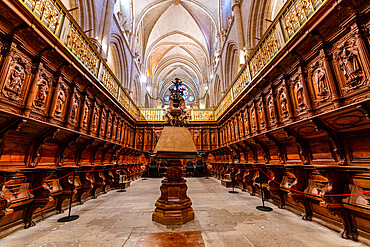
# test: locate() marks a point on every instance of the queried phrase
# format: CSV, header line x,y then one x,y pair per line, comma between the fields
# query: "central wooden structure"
x,y
173,207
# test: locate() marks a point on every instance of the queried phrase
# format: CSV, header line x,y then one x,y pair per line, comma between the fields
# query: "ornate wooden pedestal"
x,y
173,207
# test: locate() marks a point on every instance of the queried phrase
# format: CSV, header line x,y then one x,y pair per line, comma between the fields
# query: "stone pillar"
x,y
107,28
239,24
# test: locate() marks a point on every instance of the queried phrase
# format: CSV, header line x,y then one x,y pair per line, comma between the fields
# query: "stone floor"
x,y
221,219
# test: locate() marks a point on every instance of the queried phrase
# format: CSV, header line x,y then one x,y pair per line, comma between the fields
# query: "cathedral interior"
x,y
265,99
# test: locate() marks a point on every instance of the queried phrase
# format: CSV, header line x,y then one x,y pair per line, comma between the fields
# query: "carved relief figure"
x,y
60,100
205,138
254,121
349,64
95,119
318,78
42,92
240,120
299,94
85,114
196,137
15,80
103,119
213,138
261,114
139,138
114,131
148,137
109,127
271,109
157,135
74,108
246,122
284,104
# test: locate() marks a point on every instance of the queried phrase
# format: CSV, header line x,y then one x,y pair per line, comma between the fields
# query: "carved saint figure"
x,y
240,120
284,104
271,109
205,139
14,83
350,65
114,128
42,93
139,138
254,122
318,79
246,123
299,93
85,114
196,137
260,113
102,124
109,127
60,101
74,108
95,119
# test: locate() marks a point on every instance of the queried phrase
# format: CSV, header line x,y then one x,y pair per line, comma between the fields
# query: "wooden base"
x,y
173,207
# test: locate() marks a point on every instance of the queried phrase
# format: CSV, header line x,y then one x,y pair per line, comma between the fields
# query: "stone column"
x,y
107,28
239,24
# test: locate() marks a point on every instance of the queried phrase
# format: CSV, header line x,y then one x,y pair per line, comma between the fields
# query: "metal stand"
x,y
122,184
263,207
70,217
233,191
